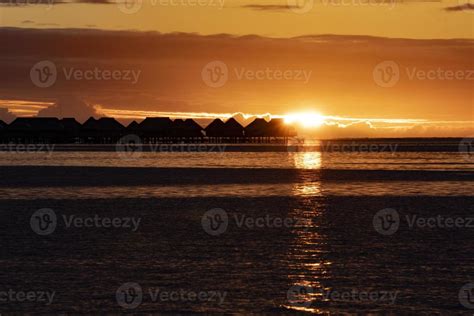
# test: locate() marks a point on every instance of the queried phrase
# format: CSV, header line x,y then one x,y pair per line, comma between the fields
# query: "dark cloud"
x,y
171,67
47,24
24,3
282,7
270,7
463,7
27,3
70,106
92,1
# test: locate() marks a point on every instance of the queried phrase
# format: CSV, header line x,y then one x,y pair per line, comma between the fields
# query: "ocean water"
x,y
237,232
285,160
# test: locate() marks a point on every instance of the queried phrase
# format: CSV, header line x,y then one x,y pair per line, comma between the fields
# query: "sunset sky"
x,y
370,67
276,18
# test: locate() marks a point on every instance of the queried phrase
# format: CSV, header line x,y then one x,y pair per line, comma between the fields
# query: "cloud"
x,y
364,129
270,7
462,7
47,24
91,1
24,3
28,3
283,7
171,82
70,106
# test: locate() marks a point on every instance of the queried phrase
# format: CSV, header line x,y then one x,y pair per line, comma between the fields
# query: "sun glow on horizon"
x,y
305,119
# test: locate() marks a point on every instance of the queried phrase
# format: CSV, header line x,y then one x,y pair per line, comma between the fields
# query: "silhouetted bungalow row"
x,y
151,130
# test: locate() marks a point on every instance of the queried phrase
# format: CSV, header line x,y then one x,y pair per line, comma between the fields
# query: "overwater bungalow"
x,y
231,131
71,130
34,130
105,130
179,129
194,129
214,129
3,127
155,129
133,126
232,128
272,131
278,128
258,128
186,130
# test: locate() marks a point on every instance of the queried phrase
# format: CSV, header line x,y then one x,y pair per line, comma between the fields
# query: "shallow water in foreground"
x,y
329,245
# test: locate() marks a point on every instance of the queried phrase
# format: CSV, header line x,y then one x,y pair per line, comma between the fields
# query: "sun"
x,y
305,119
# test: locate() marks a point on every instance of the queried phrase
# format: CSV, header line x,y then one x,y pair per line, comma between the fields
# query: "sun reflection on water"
x,y
307,260
307,160
307,186
308,189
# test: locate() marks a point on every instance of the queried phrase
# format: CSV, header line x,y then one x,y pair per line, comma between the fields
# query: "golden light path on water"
x,y
305,255
307,160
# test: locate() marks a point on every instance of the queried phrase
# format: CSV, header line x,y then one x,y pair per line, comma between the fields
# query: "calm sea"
x,y
271,232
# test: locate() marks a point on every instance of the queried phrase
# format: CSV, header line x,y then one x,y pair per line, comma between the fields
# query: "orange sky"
x,y
276,18
424,82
